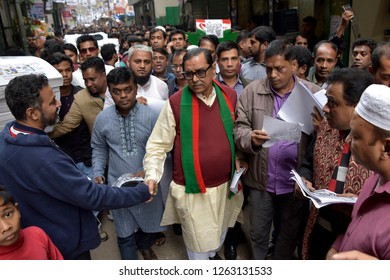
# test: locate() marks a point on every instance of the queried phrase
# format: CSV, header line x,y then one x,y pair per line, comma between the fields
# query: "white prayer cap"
x,y
161,28
190,47
374,106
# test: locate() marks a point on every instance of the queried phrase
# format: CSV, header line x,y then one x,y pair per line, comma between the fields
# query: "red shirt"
x,y
33,244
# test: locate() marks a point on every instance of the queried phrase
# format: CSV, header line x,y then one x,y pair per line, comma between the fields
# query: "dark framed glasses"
x,y
189,75
90,49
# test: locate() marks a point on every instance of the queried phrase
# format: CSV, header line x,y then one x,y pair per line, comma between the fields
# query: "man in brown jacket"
x,y
271,195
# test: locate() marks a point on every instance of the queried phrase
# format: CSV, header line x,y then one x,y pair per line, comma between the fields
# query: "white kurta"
x,y
205,216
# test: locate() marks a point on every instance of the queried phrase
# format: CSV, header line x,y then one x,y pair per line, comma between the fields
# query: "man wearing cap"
x,y
368,234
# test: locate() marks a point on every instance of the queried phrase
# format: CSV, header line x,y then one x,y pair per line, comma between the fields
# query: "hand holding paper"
x,y
280,130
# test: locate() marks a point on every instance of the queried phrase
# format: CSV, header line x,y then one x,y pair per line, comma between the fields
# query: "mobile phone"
x,y
347,7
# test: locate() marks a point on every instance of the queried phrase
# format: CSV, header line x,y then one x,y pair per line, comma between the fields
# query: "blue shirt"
x,y
252,70
238,87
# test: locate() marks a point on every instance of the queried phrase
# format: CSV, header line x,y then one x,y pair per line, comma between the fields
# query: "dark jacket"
x,y
53,194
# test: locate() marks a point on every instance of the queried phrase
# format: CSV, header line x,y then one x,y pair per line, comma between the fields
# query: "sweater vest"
x,y
214,150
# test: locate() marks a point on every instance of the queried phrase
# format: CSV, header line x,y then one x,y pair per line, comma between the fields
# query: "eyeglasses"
x,y
90,49
189,75
127,90
176,66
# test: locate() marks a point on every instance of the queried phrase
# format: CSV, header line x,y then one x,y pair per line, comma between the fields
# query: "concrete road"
x,y
173,249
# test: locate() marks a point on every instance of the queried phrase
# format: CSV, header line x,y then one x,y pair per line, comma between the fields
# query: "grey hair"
x,y
139,47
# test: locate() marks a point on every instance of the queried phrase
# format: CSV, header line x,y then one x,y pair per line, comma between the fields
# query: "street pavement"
x,y
173,249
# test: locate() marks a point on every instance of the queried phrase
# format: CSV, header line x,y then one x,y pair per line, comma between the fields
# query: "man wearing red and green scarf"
x,y
197,125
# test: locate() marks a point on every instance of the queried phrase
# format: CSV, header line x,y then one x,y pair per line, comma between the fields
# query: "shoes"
x,y
177,229
110,217
216,258
148,254
160,239
271,249
103,235
230,252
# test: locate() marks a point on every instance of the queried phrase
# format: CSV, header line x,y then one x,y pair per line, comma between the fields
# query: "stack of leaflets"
x,y
127,180
320,198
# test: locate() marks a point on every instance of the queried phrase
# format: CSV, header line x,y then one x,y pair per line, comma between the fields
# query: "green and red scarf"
x,y
189,127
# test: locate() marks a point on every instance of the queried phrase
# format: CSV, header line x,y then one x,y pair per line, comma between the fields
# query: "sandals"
x,y
160,239
148,254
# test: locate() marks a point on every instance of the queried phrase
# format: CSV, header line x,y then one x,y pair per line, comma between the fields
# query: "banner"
x,y
213,26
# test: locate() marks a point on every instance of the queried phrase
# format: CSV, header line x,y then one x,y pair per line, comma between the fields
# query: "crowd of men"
x,y
186,118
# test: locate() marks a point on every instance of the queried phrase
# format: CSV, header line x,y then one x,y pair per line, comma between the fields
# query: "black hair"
x,y
303,56
57,58
263,34
383,49
211,38
243,35
300,35
163,51
196,52
320,43
86,38
280,47
352,90
177,52
70,47
177,31
107,51
311,20
133,39
53,46
226,46
155,30
365,42
22,92
93,62
6,196
119,75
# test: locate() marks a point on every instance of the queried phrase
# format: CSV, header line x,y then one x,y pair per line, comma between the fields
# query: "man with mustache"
x,y
271,192
77,142
197,125
325,59
254,68
86,105
88,102
328,163
52,192
367,236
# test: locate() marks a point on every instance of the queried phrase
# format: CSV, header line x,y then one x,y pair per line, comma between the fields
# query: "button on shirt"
x,y
238,87
282,157
369,229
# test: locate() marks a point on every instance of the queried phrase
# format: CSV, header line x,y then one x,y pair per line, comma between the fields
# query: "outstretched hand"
x,y
152,185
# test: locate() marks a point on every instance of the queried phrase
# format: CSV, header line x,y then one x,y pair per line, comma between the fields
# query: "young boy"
x,y
30,243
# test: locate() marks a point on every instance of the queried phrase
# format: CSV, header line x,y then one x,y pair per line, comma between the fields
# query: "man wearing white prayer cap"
x,y
368,234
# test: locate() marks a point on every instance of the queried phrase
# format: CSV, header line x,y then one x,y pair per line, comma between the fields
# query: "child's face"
x,y
9,223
